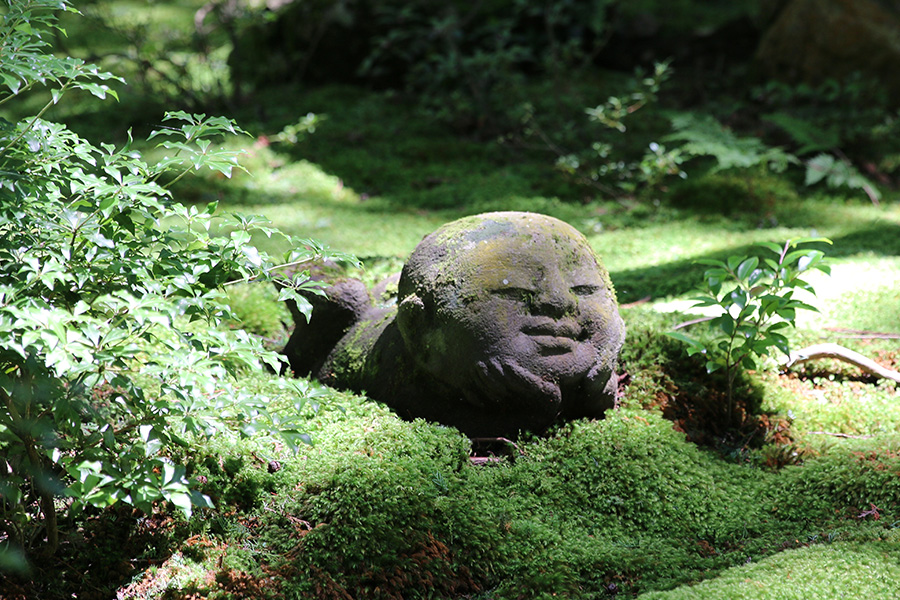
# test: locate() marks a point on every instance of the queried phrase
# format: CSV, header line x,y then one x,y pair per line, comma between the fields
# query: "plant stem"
x,y
30,126
45,497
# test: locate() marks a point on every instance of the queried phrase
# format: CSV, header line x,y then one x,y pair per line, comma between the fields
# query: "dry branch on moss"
x,y
838,352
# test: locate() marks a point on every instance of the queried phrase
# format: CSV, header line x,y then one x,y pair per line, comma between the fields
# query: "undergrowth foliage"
x,y
110,304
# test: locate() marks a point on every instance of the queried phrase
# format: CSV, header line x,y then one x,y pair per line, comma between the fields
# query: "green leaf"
x,y
739,297
809,240
810,260
779,341
715,286
771,246
810,138
302,304
294,438
747,267
791,257
703,301
686,339
726,323
713,366
181,500
201,500
788,313
711,262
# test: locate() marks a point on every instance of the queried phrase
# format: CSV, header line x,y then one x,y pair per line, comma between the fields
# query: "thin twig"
x,y
295,263
863,334
693,322
841,435
643,300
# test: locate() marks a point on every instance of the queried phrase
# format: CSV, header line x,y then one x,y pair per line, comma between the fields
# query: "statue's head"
x,y
515,310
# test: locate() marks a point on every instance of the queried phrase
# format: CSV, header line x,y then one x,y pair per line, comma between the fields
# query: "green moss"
x,y
846,482
348,360
760,195
819,572
624,502
477,246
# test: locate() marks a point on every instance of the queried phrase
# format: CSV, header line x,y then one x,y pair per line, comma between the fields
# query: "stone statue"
x,y
503,322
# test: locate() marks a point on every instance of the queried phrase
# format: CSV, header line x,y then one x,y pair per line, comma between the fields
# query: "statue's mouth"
x,y
554,346
554,337
556,329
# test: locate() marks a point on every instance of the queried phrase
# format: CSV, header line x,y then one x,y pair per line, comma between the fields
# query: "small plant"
x,y
839,172
602,165
756,299
616,109
842,130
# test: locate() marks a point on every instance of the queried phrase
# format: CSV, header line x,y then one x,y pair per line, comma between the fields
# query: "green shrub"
x,y
464,62
705,136
613,163
853,121
110,304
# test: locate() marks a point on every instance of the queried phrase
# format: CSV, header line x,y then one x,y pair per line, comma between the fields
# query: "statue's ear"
x,y
416,323
411,318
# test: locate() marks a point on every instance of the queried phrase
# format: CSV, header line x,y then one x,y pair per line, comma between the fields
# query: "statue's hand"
x,y
598,393
504,382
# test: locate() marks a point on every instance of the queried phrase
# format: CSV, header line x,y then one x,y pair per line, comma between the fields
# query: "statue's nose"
x,y
555,299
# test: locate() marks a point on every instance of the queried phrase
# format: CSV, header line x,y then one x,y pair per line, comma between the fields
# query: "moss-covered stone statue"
x,y
504,322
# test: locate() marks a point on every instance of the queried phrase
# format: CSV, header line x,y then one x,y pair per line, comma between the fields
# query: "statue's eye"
x,y
585,290
516,294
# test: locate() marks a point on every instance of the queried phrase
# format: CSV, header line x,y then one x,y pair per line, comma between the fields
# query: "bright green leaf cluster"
x,y
27,61
705,136
756,301
616,109
837,173
602,166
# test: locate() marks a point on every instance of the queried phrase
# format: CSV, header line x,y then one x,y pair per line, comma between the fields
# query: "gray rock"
x,y
504,322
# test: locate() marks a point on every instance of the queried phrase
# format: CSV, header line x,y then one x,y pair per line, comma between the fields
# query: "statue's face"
x,y
515,315
542,304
